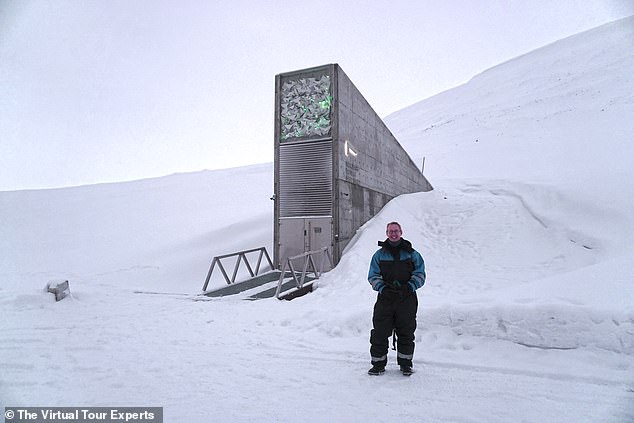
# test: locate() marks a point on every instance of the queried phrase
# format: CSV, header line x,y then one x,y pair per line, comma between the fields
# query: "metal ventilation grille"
x,y
306,179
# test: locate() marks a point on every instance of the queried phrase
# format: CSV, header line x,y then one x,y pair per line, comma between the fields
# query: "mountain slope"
x,y
560,112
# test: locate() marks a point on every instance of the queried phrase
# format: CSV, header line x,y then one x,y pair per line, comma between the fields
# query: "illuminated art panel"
x,y
305,108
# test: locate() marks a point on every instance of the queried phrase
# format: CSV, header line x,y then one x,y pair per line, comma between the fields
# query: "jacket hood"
x,y
403,245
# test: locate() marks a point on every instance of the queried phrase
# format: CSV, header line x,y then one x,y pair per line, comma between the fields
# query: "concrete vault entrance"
x,y
336,163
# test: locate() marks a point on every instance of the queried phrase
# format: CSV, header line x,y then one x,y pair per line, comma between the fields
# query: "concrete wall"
x,y
369,166
376,168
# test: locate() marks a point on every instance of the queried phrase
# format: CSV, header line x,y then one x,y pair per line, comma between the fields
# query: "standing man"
x,y
396,272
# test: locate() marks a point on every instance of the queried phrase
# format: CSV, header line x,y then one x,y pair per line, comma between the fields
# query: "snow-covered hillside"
x,y
527,314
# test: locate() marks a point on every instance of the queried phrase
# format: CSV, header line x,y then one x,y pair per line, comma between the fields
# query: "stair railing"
x,y
242,257
309,261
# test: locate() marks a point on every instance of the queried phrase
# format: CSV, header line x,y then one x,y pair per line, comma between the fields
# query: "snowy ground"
x,y
527,315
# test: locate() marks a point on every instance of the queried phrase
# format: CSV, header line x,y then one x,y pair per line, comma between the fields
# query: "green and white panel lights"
x,y
305,108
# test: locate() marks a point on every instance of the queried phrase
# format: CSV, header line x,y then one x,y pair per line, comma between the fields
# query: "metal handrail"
x,y
241,256
308,260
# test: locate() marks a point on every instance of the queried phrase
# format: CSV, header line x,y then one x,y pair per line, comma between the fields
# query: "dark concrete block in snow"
x,y
59,288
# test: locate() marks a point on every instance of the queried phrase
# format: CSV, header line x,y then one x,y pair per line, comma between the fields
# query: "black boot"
x,y
407,370
376,370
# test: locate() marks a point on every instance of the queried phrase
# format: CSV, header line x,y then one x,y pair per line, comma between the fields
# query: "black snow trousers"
x,y
394,311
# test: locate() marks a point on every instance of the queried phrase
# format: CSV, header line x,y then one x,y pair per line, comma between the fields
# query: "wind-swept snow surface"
x,y
527,314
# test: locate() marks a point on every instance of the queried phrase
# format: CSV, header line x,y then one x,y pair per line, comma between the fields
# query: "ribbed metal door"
x,y
305,179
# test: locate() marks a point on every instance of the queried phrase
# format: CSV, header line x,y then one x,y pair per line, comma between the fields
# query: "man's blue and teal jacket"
x,y
396,266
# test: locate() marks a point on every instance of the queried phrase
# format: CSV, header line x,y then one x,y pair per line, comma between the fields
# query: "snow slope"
x,y
527,315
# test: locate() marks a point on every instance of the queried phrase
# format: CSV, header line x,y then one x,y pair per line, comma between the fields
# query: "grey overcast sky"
x,y
111,90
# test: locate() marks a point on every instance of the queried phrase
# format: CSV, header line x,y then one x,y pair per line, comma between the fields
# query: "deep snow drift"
x,y
527,315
